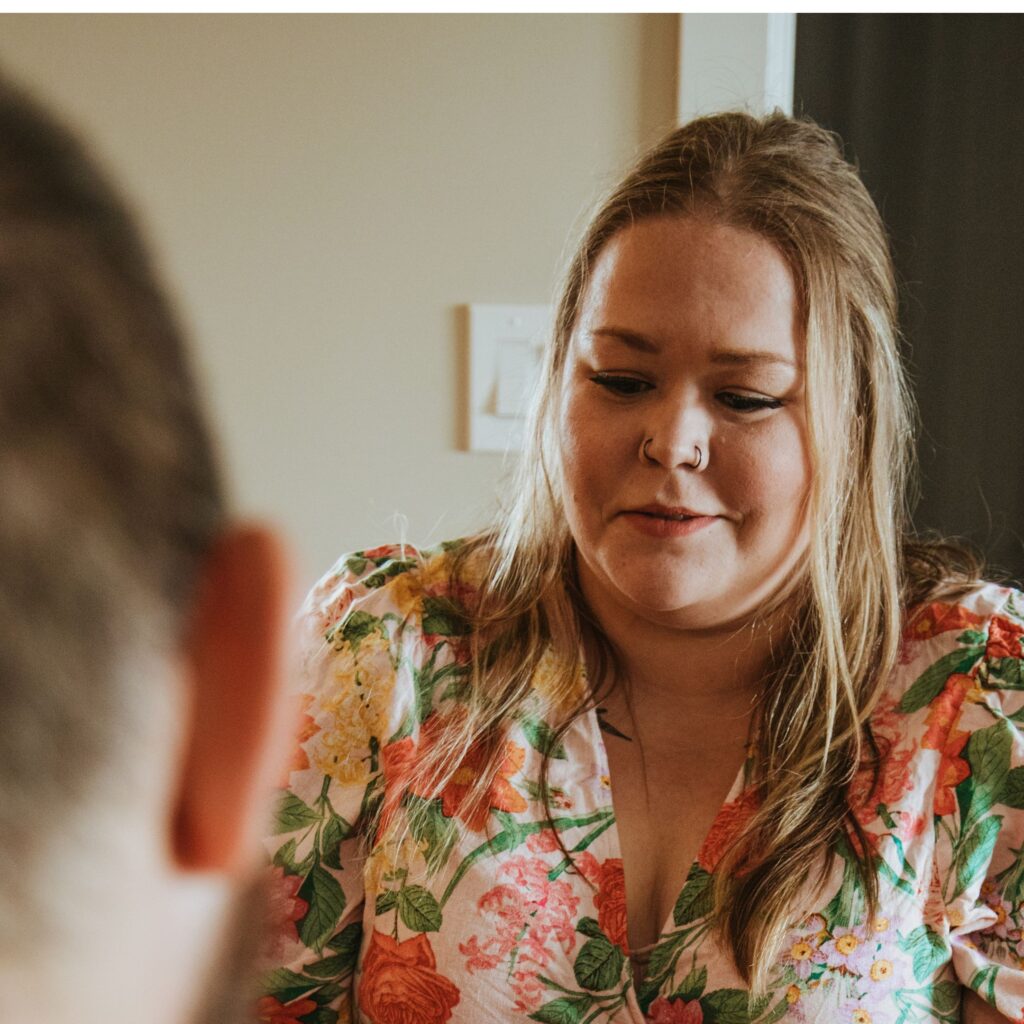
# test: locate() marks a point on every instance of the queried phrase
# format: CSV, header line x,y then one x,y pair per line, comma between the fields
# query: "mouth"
x,y
665,521
678,515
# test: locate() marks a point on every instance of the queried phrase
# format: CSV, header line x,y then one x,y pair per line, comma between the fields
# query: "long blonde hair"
x,y
786,180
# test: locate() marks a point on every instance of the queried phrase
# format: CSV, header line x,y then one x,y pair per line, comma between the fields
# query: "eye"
x,y
747,403
618,385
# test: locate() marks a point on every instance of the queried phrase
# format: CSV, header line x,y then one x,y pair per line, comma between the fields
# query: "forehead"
x,y
667,275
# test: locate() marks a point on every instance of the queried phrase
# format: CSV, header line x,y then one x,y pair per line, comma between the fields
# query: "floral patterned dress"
x,y
478,917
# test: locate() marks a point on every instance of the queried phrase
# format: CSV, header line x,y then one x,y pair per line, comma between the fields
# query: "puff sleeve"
x,y
349,699
976,727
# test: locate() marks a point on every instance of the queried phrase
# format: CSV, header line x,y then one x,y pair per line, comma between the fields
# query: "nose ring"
x,y
646,456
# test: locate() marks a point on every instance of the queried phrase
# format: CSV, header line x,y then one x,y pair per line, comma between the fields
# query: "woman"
x,y
696,732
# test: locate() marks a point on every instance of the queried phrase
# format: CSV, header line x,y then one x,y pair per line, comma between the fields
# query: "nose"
x,y
677,440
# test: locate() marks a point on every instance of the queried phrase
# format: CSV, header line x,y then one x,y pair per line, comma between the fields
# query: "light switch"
x,y
505,348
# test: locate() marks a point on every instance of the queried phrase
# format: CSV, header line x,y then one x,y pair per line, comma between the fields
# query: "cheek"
x,y
772,477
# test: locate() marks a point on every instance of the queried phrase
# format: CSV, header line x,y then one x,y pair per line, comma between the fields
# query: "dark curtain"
x,y
931,107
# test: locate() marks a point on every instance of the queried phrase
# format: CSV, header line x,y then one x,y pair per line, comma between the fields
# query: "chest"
x,y
665,807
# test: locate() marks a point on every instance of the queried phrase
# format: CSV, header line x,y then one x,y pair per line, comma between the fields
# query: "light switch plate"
x,y
505,348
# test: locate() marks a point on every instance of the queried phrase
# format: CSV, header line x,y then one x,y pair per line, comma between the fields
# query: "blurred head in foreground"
x,y
140,630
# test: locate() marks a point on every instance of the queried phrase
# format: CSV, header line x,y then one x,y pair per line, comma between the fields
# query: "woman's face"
x,y
689,338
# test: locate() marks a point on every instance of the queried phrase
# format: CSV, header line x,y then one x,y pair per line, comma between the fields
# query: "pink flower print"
x,y
1004,926
528,989
910,826
504,908
881,931
801,953
544,841
527,918
850,949
675,1011
588,866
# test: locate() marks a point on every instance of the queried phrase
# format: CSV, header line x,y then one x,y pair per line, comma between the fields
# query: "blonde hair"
x,y
787,181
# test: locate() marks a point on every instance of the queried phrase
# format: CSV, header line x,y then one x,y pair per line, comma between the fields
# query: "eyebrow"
x,y
723,356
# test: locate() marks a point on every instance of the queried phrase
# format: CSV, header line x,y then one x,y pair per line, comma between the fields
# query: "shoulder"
x,y
363,639
392,604
394,582
977,635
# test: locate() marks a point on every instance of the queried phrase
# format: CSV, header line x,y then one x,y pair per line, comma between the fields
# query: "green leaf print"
x,y
945,1000
542,737
418,909
326,904
589,927
443,617
988,753
928,950
292,814
429,825
728,1006
322,1015
598,965
565,1010
1008,673
695,901
975,852
334,833
983,982
348,940
331,968
390,570
285,985
930,683
356,564
1012,792
355,628
385,902
692,986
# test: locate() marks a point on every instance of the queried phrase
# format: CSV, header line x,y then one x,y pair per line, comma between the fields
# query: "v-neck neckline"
x,y
614,845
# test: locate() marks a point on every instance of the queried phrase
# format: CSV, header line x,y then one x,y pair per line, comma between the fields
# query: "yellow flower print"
x,y
801,951
880,924
551,683
407,589
881,970
356,709
846,944
861,1017
793,994
388,856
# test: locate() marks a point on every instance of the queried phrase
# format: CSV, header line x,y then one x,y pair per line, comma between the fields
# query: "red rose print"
x,y
305,728
283,907
611,902
938,617
1004,638
270,1011
675,1011
953,769
400,983
727,828
944,712
397,760
884,783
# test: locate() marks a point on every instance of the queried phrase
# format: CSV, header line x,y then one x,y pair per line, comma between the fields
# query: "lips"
x,y
664,521
675,513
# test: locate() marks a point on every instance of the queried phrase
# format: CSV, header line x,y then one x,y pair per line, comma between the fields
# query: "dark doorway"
x,y
931,107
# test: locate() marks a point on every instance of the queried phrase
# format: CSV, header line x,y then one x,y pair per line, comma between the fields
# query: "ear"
x,y
237,729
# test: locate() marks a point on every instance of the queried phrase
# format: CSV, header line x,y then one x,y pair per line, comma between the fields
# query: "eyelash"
x,y
629,387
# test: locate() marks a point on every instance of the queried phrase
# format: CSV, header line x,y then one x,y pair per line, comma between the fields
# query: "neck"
x,y
704,672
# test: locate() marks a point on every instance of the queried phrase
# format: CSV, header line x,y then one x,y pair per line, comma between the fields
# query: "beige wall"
x,y
324,192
